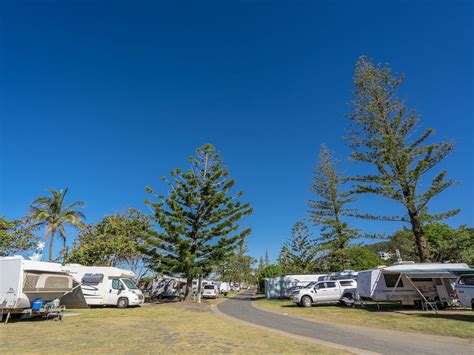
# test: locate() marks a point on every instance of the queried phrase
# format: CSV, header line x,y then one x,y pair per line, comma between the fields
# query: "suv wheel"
x,y
349,296
122,303
306,301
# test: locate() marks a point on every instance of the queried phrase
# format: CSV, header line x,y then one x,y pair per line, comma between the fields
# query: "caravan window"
x,y
30,282
94,279
130,284
56,282
116,284
391,280
467,280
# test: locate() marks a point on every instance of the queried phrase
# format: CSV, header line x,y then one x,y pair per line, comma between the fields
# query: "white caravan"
x,y
410,283
106,285
166,287
22,281
224,287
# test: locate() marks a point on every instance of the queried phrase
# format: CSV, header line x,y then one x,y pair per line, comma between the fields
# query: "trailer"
x,y
27,284
106,285
166,287
430,285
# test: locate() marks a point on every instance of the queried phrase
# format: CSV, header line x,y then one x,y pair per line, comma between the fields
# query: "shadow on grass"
x,y
461,317
398,309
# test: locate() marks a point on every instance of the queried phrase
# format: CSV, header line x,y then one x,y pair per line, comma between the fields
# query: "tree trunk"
x,y
51,242
189,289
420,240
199,289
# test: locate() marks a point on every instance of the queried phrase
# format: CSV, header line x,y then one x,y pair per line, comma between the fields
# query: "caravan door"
x,y
113,291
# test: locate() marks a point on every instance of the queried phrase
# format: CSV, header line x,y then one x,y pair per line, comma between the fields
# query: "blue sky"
x,y
106,98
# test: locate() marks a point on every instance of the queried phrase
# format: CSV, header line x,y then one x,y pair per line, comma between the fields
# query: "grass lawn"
x,y
459,323
165,328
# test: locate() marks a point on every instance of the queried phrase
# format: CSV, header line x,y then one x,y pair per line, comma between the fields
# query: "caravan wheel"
x,y
122,303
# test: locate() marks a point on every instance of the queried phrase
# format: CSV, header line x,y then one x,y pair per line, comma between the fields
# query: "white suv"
x,y
210,291
330,291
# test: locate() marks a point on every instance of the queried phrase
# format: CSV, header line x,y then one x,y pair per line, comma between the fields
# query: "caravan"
x,y
410,283
24,281
106,285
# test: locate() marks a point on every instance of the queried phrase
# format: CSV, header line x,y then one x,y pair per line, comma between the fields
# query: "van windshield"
x,y
130,284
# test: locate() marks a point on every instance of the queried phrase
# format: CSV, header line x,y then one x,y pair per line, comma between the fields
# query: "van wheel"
x,y
122,303
306,301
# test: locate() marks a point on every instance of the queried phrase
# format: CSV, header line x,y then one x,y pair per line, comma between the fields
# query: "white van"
x,y
106,285
465,290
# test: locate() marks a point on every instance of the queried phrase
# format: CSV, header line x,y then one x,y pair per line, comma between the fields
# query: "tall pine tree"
x,y
298,254
330,208
383,135
198,219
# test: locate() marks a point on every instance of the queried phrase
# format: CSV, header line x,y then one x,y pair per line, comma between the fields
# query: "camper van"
x,y
24,281
410,283
106,285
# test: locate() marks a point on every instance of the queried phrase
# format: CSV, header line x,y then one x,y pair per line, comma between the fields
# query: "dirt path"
x,y
362,338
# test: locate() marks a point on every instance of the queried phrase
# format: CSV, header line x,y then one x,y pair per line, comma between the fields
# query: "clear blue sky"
x,y
107,97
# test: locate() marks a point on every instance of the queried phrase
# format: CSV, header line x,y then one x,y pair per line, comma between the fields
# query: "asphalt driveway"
x,y
363,338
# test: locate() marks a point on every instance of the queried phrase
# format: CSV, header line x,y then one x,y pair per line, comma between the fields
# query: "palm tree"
x,y
49,211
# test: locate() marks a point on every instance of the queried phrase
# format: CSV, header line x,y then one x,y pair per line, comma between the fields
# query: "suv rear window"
x,y
467,280
346,283
209,287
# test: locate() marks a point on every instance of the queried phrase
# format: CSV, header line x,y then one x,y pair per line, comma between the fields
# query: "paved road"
x,y
363,338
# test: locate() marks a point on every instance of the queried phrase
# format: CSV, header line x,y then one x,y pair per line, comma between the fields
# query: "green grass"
x,y
164,328
456,322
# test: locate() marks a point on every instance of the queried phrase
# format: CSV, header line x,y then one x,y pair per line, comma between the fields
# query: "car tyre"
x,y
306,301
122,303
